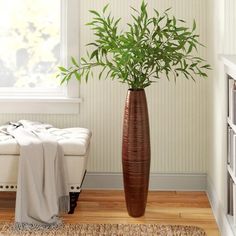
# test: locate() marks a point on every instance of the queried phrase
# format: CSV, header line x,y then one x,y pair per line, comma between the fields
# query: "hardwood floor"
x,y
187,208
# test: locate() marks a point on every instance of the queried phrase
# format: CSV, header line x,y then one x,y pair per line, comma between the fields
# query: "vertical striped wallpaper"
x,y
177,111
61,121
230,27
221,40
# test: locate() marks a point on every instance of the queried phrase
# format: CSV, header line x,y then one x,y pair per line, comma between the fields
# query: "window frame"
x,y
51,101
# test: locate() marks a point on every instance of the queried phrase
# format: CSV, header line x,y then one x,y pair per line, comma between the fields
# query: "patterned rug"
x,y
108,230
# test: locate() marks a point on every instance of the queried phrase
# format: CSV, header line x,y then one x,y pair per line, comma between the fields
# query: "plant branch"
x,y
149,47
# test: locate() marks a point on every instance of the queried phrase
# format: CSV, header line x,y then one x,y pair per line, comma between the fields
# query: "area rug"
x,y
107,230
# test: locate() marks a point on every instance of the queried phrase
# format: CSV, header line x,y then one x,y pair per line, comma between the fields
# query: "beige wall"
x,y
221,40
178,112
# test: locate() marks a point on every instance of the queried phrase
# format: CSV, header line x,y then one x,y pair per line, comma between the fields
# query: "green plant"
x,y
151,46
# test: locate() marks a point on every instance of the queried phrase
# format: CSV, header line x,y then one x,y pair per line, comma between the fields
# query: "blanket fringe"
x,y
17,226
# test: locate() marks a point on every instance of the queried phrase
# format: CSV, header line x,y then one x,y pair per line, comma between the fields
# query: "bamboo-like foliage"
x,y
151,47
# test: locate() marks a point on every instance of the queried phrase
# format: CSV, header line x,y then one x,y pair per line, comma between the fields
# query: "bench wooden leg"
x,y
73,201
74,196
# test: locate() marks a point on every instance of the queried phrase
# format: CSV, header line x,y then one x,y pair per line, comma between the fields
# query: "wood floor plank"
x,y
163,207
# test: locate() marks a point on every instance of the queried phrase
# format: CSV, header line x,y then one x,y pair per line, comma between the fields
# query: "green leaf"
x,y
155,33
104,9
167,9
143,6
94,54
92,44
134,9
116,22
203,74
194,25
95,13
193,65
190,49
100,74
157,13
206,67
77,75
86,77
63,80
174,20
74,62
61,68
84,61
69,77
198,59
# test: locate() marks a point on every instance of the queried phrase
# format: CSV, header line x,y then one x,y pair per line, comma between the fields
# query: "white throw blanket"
x,y
42,187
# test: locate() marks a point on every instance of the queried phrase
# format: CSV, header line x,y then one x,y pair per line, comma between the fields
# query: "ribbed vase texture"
x,y
136,152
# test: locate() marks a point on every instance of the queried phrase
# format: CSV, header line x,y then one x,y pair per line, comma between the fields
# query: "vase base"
x,y
136,179
136,215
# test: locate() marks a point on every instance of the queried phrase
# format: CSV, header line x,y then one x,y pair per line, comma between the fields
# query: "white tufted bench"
x,y
75,144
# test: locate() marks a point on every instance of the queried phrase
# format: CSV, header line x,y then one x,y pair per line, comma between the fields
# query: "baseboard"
x,y
218,210
158,181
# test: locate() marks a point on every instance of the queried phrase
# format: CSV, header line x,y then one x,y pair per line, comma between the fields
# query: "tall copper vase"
x,y
136,152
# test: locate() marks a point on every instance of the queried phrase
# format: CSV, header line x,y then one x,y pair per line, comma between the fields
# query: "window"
x,y
35,38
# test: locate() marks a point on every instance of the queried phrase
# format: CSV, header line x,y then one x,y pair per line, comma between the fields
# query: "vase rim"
x,y
136,90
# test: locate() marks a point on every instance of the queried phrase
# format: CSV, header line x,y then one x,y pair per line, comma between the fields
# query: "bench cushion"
x,y
74,141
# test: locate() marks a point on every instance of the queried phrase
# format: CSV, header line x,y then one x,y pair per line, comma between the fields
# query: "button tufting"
x,y
74,141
